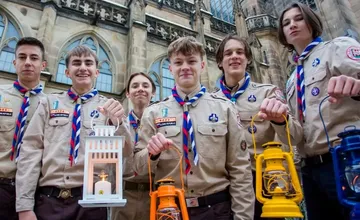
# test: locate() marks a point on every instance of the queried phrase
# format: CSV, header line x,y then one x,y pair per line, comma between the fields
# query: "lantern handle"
x,y
180,164
106,122
253,134
323,122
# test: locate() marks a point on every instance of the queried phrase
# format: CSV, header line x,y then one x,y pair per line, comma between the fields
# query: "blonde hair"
x,y
187,46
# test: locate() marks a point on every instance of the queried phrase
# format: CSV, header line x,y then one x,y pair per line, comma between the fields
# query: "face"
x,y
28,63
295,28
82,71
140,91
234,59
186,69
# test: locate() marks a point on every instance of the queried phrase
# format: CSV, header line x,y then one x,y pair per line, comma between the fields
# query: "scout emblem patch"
x,y
213,117
162,122
55,113
353,53
250,129
252,98
94,113
243,145
165,112
280,96
316,62
315,91
6,112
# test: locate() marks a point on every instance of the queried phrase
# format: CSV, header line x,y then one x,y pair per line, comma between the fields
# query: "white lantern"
x,y
103,148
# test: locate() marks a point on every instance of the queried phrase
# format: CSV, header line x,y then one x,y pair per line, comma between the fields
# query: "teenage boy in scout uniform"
x,y
204,128
17,105
52,152
250,98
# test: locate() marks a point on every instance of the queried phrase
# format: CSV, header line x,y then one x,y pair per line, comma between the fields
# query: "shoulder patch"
x,y
353,52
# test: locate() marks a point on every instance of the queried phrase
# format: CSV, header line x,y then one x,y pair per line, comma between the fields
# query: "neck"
x,y
29,84
138,111
300,46
80,91
188,91
233,80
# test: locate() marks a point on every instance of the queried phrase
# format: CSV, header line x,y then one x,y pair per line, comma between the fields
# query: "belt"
x,y
211,199
60,193
136,186
7,181
318,159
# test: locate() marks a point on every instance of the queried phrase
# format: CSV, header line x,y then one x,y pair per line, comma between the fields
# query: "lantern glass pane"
x,y
353,177
276,181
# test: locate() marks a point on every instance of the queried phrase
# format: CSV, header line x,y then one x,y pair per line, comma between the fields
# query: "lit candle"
x,y
102,187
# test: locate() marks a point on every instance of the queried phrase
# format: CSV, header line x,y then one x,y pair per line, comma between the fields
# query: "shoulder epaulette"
x,y
258,85
216,89
152,103
215,96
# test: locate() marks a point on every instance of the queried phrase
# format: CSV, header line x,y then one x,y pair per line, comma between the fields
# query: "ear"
x,y
67,73
127,95
14,62
202,65
43,65
97,73
170,68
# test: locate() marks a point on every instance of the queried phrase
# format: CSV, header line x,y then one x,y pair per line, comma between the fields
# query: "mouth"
x,y
293,33
186,75
235,64
27,71
82,75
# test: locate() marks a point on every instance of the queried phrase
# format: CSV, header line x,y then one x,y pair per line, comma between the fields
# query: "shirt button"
x,y
191,172
165,132
192,191
189,150
213,130
67,177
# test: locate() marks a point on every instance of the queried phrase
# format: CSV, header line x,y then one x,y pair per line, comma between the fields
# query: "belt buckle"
x,y
192,202
64,193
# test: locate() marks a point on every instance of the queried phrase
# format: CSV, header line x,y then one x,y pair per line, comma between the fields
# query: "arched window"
x,y
104,80
9,36
310,3
223,10
164,81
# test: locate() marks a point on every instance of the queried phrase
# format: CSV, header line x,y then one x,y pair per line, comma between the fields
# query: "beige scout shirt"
x,y
129,173
333,58
44,156
248,104
11,100
222,163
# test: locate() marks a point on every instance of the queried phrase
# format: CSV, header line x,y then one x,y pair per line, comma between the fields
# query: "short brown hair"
x,y
187,46
220,50
140,74
311,19
32,42
79,51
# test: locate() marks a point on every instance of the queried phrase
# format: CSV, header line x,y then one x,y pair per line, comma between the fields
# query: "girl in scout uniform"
x,y
323,68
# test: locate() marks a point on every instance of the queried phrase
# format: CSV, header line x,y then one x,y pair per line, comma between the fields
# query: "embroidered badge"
x,y
92,133
243,145
165,112
250,129
315,91
213,117
252,98
56,113
55,104
280,95
353,53
316,62
6,112
162,122
94,113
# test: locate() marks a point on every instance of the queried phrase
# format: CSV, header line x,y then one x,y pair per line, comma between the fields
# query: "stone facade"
x,y
134,34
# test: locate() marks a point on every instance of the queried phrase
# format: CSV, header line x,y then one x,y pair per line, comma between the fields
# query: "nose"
x,y
28,61
234,55
292,24
82,66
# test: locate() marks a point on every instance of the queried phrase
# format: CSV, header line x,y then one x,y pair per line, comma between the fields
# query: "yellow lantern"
x,y
282,192
162,203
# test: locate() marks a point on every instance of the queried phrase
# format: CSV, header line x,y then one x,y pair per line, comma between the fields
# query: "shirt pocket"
x,y
58,129
7,129
212,140
259,131
173,133
316,87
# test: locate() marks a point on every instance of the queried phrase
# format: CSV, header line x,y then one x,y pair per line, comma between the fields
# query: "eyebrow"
x,y
24,54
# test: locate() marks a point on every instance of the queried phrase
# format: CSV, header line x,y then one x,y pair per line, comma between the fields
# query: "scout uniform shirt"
x,y
340,56
10,104
44,156
129,173
221,164
248,104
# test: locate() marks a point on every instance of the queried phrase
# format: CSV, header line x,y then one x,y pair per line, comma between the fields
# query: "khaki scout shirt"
x,y
333,58
248,104
129,173
222,163
10,101
44,156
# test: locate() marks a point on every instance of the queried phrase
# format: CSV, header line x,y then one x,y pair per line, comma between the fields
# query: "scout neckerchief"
x,y
76,123
241,90
134,124
300,82
187,126
20,122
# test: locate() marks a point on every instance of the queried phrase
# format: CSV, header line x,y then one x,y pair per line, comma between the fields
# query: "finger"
x,y
112,106
264,104
331,86
349,83
108,103
153,147
275,110
282,111
262,115
340,82
163,140
356,89
151,150
119,114
333,99
101,110
269,107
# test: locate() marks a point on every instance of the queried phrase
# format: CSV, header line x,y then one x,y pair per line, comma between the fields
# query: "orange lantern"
x,y
165,195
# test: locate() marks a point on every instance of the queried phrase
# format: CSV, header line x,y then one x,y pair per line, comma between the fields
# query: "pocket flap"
x,y
58,121
7,126
247,116
212,129
170,131
318,75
